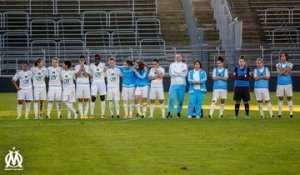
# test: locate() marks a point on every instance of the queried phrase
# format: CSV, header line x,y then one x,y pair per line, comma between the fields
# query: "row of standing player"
x,y
136,85
197,79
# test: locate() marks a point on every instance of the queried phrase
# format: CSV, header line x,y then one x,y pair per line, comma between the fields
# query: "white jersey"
x,y
97,72
178,72
157,83
81,79
24,78
39,76
113,77
54,76
68,78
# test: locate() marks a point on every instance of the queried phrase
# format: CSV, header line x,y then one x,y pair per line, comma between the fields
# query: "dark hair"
x,y
129,62
37,61
68,63
287,56
111,59
81,56
242,57
97,55
25,62
198,61
141,64
220,58
155,60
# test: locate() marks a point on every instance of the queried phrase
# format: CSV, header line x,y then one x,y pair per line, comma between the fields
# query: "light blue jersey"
x,y
261,83
220,84
285,79
142,78
128,75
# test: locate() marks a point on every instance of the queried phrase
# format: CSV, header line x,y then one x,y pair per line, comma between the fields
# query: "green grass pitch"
x,y
153,146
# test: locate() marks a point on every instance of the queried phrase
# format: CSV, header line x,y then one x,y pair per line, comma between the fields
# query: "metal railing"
x,y
195,33
287,33
281,12
230,29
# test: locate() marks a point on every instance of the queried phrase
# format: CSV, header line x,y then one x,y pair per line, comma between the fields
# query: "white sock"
x,y
144,109
138,108
222,109
80,108
152,106
70,107
92,108
28,105
102,107
162,108
69,112
260,108
36,109
111,107
50,105
212,108
117,105
58,108
131,107
125,108
19,109
290,103
279,107
86,111
269,106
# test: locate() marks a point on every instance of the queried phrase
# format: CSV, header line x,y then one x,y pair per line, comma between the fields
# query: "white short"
x,y
128,93
68,94
25,94
113,94
142,91
262,94
98,87
39,93
83,91
287,89
219,94
54,93
156,93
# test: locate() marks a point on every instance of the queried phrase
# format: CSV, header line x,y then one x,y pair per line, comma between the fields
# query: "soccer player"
x,y
128,87
178,72
220,76
113,87
261,87
241,86
24,89
68,94
55,89
98,70
156,76
39,87
197,89
83,94
142,87
284,83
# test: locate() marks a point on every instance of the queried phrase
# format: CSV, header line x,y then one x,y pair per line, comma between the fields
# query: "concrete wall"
x,y
6,85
